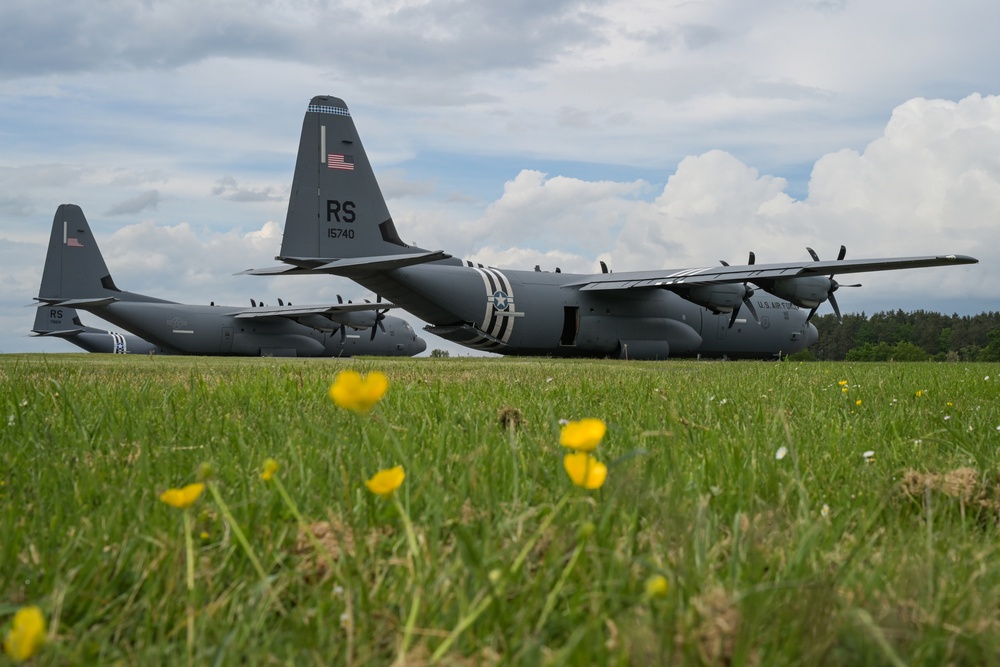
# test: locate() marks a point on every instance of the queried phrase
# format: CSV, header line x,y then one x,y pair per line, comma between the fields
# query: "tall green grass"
x,y
821,556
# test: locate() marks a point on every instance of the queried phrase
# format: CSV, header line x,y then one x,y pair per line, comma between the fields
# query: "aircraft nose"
x,y
418,346
812,334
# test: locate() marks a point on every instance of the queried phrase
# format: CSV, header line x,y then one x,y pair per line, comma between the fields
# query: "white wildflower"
x,y
783,451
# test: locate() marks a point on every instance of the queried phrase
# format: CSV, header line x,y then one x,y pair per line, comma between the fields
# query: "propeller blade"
x,y
732,319
812,253
752,258
749,305
836,308
842,253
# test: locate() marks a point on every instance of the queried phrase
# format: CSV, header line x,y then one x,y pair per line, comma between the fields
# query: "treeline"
x,y
914,336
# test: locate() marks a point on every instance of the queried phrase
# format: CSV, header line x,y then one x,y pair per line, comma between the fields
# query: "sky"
x,y
644,133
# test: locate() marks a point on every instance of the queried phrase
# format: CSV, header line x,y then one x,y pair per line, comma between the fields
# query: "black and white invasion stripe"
x,y
497,327
117,343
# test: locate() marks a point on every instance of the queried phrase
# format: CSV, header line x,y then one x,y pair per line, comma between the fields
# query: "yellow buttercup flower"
x,y
183,498
584,435
270,467
843,383
26,635
359,394
385,482
584,470
657,586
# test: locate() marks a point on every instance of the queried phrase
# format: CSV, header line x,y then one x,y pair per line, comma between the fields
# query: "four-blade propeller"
x,y
834,285
747,293
379,316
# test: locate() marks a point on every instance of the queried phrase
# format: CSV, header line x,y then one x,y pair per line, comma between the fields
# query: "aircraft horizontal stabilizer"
x,y
754,272
282,270
347,266
62,333
82,304
382,263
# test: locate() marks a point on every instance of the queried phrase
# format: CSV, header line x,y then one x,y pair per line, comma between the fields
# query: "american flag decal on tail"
x,y
342,162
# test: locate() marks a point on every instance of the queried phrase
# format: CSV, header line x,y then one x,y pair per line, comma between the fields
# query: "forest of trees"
x,y
901,336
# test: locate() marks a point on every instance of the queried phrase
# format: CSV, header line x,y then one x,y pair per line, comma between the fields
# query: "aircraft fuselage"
x,y
215,330
535,313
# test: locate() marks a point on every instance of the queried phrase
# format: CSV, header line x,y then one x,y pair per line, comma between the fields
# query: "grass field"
x,y
799,513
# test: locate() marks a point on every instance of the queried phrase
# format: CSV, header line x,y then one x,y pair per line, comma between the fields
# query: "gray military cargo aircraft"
x,y
76,276
338,223
64,323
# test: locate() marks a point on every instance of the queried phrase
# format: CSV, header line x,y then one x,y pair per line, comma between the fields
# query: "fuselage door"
x,y
227,340
723,324
571,325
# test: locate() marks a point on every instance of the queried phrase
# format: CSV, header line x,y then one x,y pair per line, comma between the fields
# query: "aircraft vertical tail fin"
x,y
74,265
336,209
58,321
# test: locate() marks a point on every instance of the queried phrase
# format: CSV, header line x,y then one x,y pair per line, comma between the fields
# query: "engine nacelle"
x,y
805,292
720,298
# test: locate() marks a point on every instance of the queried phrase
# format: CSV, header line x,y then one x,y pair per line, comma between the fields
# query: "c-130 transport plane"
x,y
76,276
338,223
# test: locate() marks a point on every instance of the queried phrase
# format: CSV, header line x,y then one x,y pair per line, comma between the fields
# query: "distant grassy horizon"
x,y
799,513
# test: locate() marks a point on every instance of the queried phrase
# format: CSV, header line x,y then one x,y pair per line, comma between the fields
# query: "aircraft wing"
x,y
710,275
296,312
